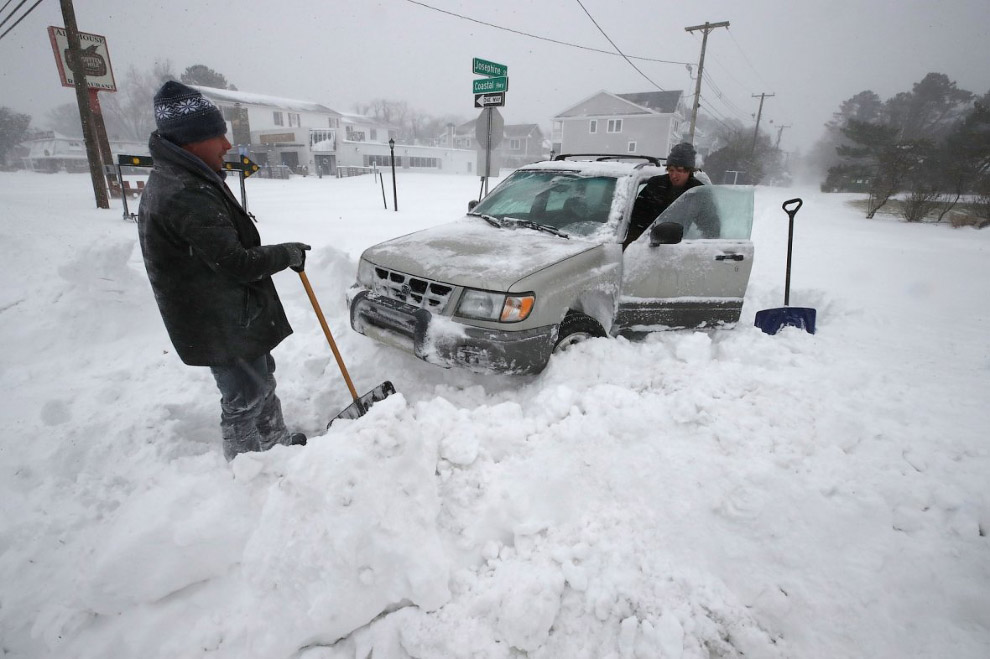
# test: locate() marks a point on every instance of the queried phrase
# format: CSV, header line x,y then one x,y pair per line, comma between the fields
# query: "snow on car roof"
x,y
595,167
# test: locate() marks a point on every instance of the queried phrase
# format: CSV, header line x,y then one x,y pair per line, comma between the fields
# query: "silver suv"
x,y
539,264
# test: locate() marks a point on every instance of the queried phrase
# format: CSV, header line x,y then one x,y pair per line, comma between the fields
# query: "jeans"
x,y
251,413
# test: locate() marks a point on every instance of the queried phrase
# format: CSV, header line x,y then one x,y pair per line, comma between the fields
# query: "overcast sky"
x,y
811,55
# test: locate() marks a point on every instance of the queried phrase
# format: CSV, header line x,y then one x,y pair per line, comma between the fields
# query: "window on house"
x,y
374,135
632,147
615,125
515,145
277,119
380,161
593,126
416,161
332,122
295,119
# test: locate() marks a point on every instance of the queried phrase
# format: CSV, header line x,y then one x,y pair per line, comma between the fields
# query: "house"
x,y
647,123
279,131
521,144
48,151
311,137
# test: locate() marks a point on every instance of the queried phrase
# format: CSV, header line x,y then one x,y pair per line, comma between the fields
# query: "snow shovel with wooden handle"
x,y
361,404
772,321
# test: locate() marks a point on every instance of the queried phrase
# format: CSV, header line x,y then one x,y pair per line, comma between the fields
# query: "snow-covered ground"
x,y
695,494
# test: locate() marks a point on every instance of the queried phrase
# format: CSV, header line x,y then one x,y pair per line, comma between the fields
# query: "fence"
x,y
345,171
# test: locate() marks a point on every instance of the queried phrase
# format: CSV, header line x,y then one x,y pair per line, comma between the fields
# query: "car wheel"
x,y
575,328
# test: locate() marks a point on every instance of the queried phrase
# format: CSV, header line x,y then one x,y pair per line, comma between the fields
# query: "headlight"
x,y
484,305
366,274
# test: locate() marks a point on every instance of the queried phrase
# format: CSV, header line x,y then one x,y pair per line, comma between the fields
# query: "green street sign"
x,y
491,69
489,85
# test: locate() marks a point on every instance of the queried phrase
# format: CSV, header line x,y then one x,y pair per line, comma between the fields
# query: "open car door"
x,y
699,281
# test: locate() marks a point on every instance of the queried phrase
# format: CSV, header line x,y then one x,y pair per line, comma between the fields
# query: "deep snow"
x,y
694,494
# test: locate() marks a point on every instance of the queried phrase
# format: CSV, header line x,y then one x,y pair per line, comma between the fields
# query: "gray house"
x,y
523,144
648,123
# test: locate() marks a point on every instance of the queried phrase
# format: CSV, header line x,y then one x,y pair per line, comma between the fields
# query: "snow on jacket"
x,y
209,272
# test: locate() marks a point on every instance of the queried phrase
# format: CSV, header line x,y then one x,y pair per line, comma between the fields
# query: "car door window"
x,y
713,212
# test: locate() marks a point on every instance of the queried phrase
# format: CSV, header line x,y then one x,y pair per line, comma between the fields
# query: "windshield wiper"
x,y
494,221
529,224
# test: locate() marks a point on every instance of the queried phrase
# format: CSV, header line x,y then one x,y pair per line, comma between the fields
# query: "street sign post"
x,y
489,93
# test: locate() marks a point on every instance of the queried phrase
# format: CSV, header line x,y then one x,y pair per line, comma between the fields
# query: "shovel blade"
x,y
772,321
360,406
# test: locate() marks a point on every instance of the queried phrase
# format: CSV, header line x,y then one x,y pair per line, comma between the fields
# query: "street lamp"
x,y
395,195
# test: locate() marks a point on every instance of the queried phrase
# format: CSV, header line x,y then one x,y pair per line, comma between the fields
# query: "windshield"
x,y
574,204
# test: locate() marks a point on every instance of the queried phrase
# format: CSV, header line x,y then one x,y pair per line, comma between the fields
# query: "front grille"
x,y
418,292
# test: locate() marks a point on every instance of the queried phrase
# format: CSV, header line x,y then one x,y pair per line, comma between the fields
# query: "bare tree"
x,y
13,129
129,113
64,119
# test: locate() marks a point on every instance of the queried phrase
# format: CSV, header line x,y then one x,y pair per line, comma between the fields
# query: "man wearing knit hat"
x,y
210,274
661,191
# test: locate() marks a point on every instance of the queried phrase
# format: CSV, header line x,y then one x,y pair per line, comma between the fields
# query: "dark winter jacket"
x,y
210,274
654,199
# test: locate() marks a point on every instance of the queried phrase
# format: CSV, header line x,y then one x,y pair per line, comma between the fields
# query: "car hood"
x,y
471,252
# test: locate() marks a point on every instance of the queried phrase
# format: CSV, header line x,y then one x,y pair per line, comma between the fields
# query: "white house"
x,y
48,151
308,136
647,123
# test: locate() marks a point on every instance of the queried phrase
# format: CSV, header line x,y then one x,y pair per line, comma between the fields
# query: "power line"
x,y
25,15
746,59
724,98
12,12
617,48
536,36
5,5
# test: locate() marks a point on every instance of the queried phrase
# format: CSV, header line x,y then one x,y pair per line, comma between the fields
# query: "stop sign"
x,y
497,126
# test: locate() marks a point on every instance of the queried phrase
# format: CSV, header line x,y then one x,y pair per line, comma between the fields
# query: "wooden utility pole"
x,y
752,150
706,28
780,129
82,100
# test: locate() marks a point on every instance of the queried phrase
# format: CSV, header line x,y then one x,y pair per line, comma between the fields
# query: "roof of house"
x,y
509,130
522,130
662,102
605,103
262,99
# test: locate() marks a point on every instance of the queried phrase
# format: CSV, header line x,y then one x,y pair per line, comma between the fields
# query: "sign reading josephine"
x,y
95,59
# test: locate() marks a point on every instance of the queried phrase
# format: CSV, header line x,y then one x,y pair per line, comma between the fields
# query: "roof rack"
x,y
653,160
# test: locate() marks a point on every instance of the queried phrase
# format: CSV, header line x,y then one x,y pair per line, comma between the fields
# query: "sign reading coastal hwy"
x,y
491,85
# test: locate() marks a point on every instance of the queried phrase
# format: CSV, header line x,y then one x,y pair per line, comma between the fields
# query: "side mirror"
x,y
666,233
472,204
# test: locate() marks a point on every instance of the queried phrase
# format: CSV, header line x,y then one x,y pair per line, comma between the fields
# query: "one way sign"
x,y
486,100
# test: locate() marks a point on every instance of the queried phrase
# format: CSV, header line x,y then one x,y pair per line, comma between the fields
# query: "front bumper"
x,y
445,342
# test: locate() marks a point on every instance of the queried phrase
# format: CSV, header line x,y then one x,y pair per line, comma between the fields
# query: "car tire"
x,y
575,328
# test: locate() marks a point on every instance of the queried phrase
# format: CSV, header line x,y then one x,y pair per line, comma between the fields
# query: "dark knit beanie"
x,y
682,155
183,115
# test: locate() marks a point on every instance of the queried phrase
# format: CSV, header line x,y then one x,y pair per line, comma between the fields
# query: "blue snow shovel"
x,y
772,321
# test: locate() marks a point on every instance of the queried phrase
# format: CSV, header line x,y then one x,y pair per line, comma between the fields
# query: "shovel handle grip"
x,y
792,211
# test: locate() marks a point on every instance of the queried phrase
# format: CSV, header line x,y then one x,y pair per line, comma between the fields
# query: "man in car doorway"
x,y
661,191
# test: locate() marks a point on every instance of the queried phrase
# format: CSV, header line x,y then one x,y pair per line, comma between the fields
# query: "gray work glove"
x,y
297,255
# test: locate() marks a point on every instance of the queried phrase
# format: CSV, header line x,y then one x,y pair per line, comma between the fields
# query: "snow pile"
x,y
694,494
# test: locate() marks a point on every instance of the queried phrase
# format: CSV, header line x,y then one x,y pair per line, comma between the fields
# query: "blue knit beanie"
x,y
682,155
183,115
